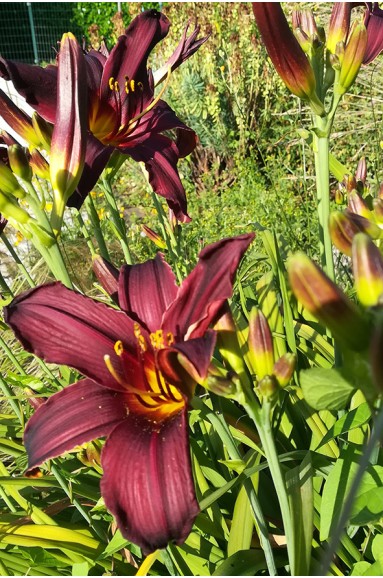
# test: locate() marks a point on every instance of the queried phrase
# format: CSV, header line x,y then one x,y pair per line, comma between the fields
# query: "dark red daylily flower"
x,y
141,365
122,110
373,21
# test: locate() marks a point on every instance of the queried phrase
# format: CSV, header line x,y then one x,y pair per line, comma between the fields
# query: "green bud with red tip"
x,y
10,208
39,165
339,25
323,299
154,237
353,58
260,342
288,58
367,265
378,210
43,130
19,162
284,368
268,387
344,226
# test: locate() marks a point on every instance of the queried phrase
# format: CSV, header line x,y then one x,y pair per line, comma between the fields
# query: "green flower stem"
x,y
86,235
262,419
322,172
169,237
64,486
337,534
95,220
8,393
223,431
4,286
18,261
117,220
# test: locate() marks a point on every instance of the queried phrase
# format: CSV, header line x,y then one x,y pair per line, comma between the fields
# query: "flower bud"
x,y
353,57
367,265
361,171
43,130
321,297
153,236
227,341
378,210
339,25
260,341
286,54
9,184
268,387
284,368
10,208
221,385
19,162
357,205
39,165
344,226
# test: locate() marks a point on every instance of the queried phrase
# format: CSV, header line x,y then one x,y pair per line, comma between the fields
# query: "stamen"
x,y
169,338
129,388
140,338
111,83
119,348
157,339
154,102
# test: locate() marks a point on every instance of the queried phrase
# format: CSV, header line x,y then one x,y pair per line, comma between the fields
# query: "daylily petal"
x,y
374,24
108,275
185,364
128,58
147,483
146,290
96,159
160,156
205,290
64,327
185,49
78,414
18,120
36,84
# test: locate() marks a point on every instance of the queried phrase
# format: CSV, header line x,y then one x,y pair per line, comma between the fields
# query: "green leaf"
x,y
80,569
353,419
246,563
377,547
241,530
359,568
368,508
325,388
117,543
299,484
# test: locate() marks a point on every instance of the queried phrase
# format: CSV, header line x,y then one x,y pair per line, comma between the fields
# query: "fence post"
x,y
32,26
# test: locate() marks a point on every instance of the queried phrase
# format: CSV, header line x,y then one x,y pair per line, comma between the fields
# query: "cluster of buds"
x,y
356,327
257,367
307,61
363,213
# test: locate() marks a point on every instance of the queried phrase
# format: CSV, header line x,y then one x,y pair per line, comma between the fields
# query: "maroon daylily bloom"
x,y
122,110
373,21
141,365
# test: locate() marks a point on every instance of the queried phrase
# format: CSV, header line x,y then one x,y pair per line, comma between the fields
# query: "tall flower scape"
x,y
172,414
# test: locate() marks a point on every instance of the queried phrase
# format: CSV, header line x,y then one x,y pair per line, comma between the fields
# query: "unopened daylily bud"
x,y
227,341
19,162
10,208
107,274
7,138
153,236
221,385
43,130
39,165
344,226
335,62
268,387
339,197
367,265
260,342
284,368
321,297
289,60
361,171
9,184
378,210
349,182
353,57
67,154
357,205
339,25
18,120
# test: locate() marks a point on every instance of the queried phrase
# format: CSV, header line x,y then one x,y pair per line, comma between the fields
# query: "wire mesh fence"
x,y
29,31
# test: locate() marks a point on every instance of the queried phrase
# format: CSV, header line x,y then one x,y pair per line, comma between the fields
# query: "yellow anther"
x,y
169,338
154,101
132,85
129,388
111,83
116,86
157,339
140,85
140,338
119,348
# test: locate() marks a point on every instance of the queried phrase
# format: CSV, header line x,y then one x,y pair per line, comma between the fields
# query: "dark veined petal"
x,y
37,85
128,59
205,290
374,24
64,327
108,275
146,291
160,156
96,158
78,414
187,363
147,482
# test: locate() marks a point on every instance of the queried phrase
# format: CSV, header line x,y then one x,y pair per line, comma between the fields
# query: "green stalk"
x,y
85,233
17,260
322,174
95,220
262,419
4,387
119,223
